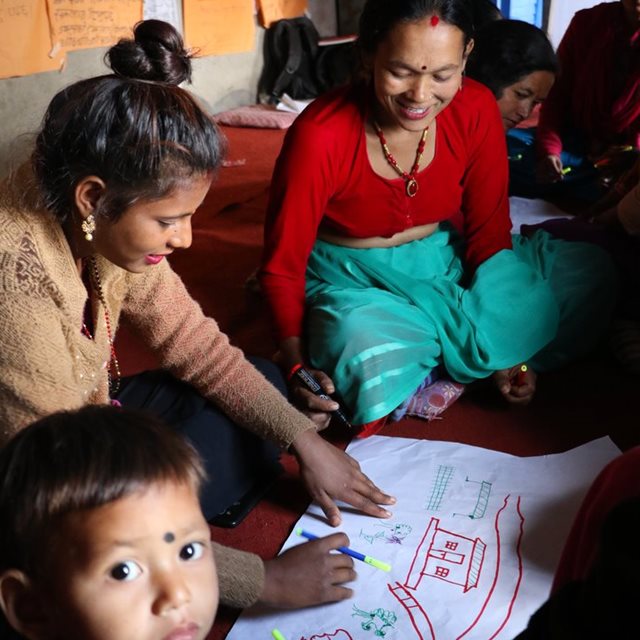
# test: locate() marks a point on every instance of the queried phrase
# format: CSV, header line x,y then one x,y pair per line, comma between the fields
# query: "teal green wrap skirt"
x,y
380,320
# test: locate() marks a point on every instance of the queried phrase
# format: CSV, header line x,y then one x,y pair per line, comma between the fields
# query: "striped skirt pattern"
x,y
379,320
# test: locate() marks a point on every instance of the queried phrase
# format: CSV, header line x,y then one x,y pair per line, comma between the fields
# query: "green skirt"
x,y
380,320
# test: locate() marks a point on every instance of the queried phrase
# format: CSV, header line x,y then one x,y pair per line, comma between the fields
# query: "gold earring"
x,y
88,227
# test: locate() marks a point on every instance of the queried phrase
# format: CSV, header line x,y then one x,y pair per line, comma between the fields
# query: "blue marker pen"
x,y
378,564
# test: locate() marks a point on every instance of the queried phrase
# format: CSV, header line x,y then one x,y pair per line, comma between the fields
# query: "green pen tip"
x,y
378,564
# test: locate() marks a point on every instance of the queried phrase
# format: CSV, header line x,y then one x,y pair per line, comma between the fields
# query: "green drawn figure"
x,y
398,532
371,538
378,620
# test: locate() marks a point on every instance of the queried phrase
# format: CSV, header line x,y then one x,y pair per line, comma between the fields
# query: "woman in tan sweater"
x,y
120,166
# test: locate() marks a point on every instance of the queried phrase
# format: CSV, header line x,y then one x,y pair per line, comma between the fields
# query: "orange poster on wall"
x,y
25,39
81,24
272,10
215,27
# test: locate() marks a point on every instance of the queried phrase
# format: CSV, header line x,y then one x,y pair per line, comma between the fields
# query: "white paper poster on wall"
x,y
473,543
168,10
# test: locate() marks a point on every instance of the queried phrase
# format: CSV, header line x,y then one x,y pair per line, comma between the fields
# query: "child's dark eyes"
x,y
192,551
125,571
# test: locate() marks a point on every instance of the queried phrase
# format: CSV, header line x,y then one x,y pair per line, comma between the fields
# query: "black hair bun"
x,y
156,53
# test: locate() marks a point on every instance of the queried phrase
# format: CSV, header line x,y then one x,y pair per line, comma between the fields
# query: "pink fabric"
x,y
597,90
430,402
323,178
261,116
618,481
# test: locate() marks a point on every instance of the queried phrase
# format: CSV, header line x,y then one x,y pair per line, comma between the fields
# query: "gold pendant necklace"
x,y
410,179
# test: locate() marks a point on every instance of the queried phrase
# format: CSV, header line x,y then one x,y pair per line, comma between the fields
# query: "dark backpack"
x,y
290,51
295,63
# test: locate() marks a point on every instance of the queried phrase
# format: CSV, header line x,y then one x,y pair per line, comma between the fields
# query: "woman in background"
x,y
589,126
516,61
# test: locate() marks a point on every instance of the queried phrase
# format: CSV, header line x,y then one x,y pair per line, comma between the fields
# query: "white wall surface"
x,y
560,15
324,16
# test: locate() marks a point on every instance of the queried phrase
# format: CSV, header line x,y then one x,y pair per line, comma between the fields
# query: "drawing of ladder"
x,y
483,500
442,480
419,618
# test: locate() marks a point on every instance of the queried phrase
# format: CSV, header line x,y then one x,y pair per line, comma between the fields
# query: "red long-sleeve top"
x,y
597,90
323,178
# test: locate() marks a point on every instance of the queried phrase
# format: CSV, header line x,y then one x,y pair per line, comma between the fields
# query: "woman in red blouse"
x,y
589,128
388,250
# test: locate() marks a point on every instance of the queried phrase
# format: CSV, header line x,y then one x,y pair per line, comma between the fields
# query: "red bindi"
x,y
434,21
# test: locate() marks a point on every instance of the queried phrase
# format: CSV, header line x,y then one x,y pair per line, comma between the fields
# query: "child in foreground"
x,y
101,531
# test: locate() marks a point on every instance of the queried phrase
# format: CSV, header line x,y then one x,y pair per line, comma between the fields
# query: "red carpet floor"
x,y
590,399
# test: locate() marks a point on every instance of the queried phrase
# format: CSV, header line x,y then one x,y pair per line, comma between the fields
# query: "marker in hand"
x,y
378,564
314,386
521,378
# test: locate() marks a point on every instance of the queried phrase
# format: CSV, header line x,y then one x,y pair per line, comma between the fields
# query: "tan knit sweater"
x,y
47,364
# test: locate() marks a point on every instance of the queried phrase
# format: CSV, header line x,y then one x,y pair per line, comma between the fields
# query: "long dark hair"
x,y
77,460
506,51
484,12
379,17
135,129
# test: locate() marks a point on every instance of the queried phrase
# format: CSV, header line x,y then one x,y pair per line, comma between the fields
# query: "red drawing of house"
x,y
448,556
459,560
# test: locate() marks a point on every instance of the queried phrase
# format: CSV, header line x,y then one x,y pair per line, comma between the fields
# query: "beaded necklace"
x,y
113,367
410,179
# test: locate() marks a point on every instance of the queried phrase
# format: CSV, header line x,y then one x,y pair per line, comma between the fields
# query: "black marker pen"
x,y
312,384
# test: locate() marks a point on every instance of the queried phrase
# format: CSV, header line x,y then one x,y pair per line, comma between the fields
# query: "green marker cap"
x,y
378,564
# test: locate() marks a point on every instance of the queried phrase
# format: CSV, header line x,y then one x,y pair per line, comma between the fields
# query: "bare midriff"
x,y
376,242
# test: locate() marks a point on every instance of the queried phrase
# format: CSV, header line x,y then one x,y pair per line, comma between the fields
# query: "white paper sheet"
x,y
287,103
532,211
473,543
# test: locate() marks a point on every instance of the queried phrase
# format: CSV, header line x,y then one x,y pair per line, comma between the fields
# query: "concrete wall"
x,y
222,81
324,16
